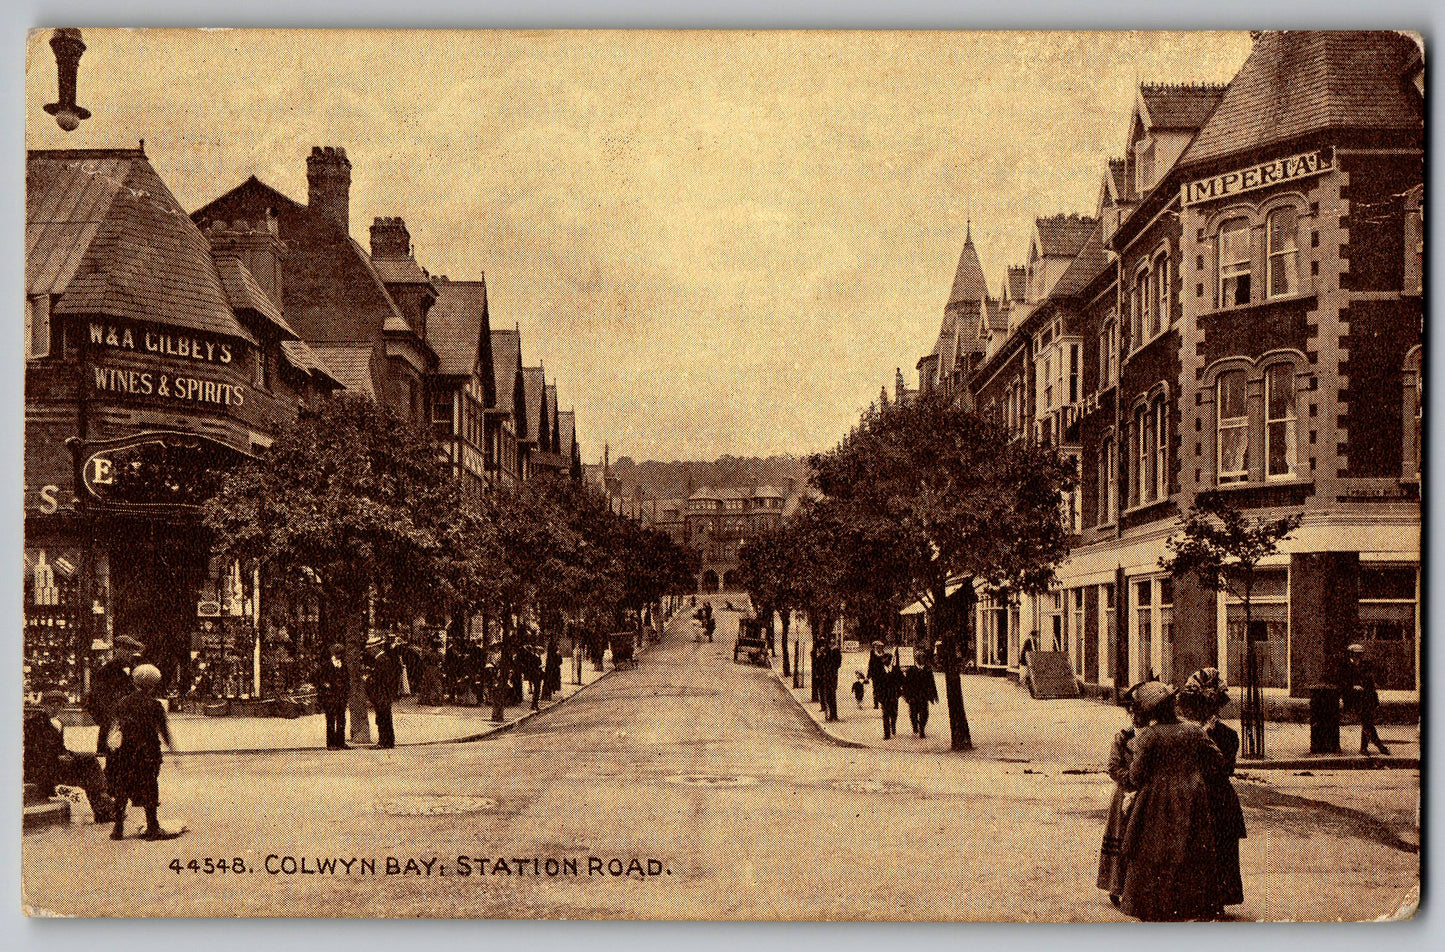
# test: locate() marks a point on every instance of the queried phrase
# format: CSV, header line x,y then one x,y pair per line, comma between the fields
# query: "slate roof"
x,y
1295,82
350,364
1063,236
552,409
1084,268
245,293
303,358
506,354
998,318
104,233
968,281
534,387
400,271
567,430
455,324
1179,105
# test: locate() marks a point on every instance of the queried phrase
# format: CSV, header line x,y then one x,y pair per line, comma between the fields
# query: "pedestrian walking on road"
x,y
333,688
858,682
133,769
1171,866
1366,697
875,667
383,683
919,690
1121,758
110,683
887,687
1200,700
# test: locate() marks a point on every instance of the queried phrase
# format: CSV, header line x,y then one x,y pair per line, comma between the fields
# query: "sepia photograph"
x,y
541,474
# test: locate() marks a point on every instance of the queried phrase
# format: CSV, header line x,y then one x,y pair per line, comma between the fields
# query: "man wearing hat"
x,y
111,683
1367,698
383,686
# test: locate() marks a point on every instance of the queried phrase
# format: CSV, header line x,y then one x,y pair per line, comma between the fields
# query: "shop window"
x,y
1166,629
1160,285
1234,263
1076,630
1232,438
1269,604
1280,420
1108,628
1141,649
1388,620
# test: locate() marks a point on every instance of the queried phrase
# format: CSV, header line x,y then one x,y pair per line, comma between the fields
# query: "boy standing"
x,y
134,767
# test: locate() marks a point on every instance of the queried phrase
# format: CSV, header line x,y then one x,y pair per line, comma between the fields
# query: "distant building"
x,y
718,521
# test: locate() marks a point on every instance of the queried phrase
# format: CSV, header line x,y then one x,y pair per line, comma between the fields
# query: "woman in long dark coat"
x,y
1121,757
1171,872
1201,700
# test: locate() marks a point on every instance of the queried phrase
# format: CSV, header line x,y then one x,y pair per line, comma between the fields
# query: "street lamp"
x,y
67,46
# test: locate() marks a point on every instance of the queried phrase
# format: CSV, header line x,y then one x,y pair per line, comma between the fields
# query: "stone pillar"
x,y
1196,628
1324,615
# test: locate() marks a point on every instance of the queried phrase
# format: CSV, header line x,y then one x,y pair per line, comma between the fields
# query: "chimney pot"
x,y
389,238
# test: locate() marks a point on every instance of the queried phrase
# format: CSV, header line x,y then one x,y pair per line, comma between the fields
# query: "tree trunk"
x,y
501,683
787,617
947,631
351,614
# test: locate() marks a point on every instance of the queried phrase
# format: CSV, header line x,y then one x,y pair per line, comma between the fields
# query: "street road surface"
x,y
703,784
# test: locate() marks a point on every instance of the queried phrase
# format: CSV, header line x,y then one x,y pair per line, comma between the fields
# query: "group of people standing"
x,y
891,683
1171,841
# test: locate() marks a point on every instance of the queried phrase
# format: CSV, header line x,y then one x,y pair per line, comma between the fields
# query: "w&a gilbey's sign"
x,y
1256,176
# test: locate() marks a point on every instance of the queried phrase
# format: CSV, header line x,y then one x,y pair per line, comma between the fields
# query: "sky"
x,y
716,243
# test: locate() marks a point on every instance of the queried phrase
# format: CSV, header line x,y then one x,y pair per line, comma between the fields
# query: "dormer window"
x,y
1143,165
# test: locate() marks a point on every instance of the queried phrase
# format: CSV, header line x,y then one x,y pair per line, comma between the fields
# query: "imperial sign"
x,y
1256,176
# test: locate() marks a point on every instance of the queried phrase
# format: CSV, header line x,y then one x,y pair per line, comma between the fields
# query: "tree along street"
x,y
716,796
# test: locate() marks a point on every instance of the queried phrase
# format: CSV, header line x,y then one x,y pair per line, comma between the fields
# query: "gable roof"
x,y
349,363
968,280
104,233
567,430
506,362
456,325
1183,106
1063,236
1300,81
533,383
1084,268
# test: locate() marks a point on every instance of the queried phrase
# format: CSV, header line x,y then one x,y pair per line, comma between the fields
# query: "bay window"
x,y
1232,434
1234,263
1282,230
1280,420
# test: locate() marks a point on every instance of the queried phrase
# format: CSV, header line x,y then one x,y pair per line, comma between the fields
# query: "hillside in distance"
x,y
671,480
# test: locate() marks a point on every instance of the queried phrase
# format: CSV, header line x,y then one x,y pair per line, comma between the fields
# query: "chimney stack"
x,y
328,184
389,238
255,246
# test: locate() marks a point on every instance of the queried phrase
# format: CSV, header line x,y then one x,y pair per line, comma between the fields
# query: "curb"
x,y
1318,762
501,728
807,712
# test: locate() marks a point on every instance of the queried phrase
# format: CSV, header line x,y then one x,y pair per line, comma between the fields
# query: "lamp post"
x,y
68,47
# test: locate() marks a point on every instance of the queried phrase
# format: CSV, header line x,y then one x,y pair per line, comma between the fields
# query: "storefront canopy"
x,y
918,608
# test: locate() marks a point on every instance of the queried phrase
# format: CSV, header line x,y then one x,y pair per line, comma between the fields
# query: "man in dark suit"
x,y
830,662
887,686
383,686
1367,698
919,690
875,668
110,683
333,687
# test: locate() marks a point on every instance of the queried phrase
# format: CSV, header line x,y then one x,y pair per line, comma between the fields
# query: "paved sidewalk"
x,y
415,725
1008,725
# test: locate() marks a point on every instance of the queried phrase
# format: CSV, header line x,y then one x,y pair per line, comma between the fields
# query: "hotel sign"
x,y
1227,184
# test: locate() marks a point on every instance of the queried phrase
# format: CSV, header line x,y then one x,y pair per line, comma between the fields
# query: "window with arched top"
x,y
1159,284
1280,420
1232,428
1235,264
1282,235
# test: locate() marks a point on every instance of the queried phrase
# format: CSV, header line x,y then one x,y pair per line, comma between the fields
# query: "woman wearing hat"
x,y
1201,699
1121,756
1170,869
133,769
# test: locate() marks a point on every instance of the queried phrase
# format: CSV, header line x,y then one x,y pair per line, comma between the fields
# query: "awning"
x,y
918,608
